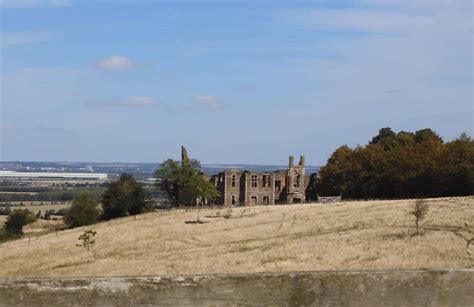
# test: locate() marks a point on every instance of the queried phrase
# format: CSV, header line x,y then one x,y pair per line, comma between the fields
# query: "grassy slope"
x,y
354,235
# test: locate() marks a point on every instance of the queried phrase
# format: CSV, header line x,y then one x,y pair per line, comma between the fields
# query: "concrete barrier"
x,y
332,288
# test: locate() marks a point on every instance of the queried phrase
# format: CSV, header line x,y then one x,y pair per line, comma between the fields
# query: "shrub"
x,y
16,220
5,211
47,214
61,212
83,211
227,213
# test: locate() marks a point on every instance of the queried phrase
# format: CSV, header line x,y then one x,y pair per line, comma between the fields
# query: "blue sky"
x,y
234,81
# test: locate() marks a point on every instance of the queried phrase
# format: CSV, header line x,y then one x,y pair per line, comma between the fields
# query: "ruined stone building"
x,y
245,188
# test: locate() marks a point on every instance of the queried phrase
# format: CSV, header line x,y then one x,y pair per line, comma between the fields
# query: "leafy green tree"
x,y
84,211
123,197
17,220
184,183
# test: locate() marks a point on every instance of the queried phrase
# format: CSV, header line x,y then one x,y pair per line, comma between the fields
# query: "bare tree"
x,y
419,212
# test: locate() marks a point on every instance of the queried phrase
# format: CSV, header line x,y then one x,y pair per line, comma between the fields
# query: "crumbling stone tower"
x,y
184,157
295,181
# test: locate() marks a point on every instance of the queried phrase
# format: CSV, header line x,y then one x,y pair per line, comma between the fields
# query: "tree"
x,y
420,211
83,211
184,183
427,134
457,167
339,173
123,197
17,220
384,138
400,165
87,240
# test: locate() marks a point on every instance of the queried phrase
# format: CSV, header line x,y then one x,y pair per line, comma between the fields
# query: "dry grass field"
x,y
347,235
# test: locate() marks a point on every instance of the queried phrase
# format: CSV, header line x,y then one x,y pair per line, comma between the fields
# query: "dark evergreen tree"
x,y
123,197
84,211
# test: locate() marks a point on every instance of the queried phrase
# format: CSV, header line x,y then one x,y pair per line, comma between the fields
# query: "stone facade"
x,y
245,188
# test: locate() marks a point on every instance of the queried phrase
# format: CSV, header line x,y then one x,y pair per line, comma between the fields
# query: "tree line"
x,y
400,165
51,195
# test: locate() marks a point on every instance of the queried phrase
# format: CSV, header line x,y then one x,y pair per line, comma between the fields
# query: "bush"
x,y
61,212
16,220
83,211
47,214
5,211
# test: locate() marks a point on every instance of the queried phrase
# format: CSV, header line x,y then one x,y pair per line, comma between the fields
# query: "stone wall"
x,y
336,288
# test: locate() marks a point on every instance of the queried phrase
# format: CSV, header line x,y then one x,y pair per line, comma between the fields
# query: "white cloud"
x,y
23,38
207,101
132,101
140,101
115,62
23,4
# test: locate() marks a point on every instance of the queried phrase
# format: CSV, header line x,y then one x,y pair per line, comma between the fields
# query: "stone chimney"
x,y
302,161
291,161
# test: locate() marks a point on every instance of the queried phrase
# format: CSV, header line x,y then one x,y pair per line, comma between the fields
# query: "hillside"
x,y
347,235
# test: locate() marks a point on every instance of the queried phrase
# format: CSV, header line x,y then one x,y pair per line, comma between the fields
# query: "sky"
x,y
234,81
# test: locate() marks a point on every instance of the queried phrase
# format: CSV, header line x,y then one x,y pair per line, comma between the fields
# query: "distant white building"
x,y
46,175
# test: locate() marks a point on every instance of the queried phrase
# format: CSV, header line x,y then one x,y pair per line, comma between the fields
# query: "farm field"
x,y
25,193
309,237
35,206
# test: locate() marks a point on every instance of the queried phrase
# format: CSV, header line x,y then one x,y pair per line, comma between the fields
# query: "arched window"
x,y
234,180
